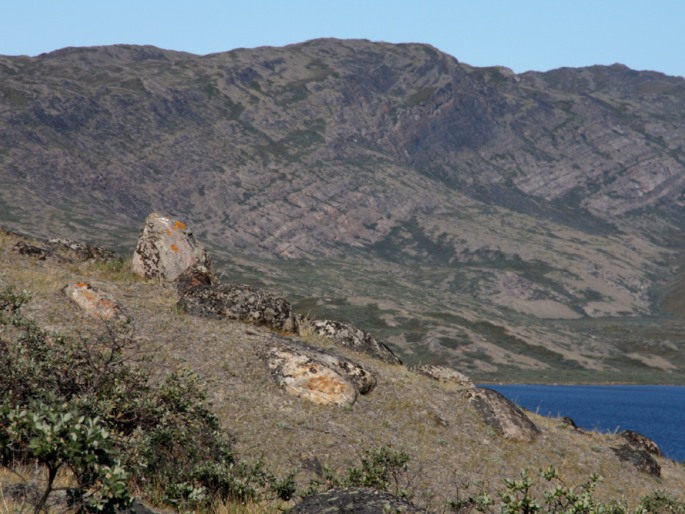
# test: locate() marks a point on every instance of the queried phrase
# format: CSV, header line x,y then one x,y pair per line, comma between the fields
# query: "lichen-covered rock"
x,y
640,442
641,459
444,375
354,500
315,375
355,338
166,249
75,251
240,303
96,303
197,275
506,418
65,250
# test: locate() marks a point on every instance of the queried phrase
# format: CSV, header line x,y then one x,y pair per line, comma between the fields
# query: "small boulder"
x,y
355,500
96,303
444,375
315,375
166,249
354,338
565,420
641,459
641,442
197,275
501,414
240,303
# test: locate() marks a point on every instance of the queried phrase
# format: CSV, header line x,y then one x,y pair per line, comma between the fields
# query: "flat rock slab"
x,y
315,375
444,375
355,338
355,500
96,303
501,414
239,303
166,248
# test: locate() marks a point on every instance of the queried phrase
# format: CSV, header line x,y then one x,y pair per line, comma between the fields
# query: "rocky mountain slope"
x,y
518,226
461,441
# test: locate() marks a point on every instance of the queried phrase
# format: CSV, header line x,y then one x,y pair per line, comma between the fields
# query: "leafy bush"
x,y
57,437
382,467
81,404
518,497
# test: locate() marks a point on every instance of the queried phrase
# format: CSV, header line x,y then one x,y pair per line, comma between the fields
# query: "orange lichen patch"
x,y
174,248
179,225
325,385
82,284
106,303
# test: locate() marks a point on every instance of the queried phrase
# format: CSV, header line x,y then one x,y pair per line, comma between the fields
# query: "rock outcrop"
x,y
166,249
505,417
355,338
240,303
444,375
640,442
65,250
96,303
355,500
641,459
315,375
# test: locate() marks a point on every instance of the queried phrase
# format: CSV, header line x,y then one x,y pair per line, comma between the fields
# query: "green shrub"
x,y
82,404
57,437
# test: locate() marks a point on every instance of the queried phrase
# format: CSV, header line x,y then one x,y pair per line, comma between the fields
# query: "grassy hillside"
x,y
452,453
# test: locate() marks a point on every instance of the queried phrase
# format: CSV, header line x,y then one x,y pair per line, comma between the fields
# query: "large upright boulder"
x,y
166,249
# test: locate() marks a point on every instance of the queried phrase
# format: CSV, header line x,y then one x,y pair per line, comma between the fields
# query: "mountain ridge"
x,y
379,176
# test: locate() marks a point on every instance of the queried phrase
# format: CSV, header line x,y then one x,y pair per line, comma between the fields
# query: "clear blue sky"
x,y
519,34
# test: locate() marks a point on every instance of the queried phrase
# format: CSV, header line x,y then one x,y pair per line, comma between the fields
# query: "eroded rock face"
x,y
355,500
444,374
315,375
355,338
641,442
166,249
502,415
96,303
641,459
240,303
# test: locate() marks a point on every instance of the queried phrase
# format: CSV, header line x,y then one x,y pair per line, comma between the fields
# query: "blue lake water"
x,y
655,411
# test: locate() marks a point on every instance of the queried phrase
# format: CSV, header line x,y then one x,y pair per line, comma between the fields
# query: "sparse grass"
x,y
445,439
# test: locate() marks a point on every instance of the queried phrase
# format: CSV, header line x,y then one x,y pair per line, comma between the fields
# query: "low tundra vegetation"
x,y
86,414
